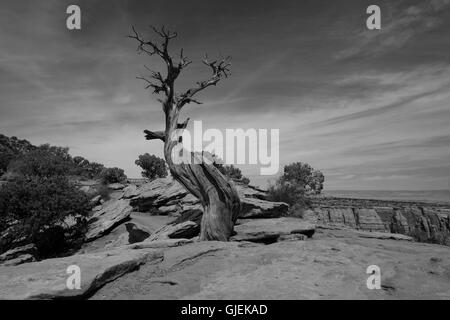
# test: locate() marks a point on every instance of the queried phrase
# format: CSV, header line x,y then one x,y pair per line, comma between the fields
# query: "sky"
x,y
369,108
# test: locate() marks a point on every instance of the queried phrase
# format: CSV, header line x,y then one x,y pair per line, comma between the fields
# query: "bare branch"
x,y
183,125
148,47
156,88
219,70
150,135
184,62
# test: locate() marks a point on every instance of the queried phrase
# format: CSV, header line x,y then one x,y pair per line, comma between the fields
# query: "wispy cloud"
x,y
400,24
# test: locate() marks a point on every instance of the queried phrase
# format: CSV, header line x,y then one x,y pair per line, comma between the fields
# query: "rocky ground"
x,y
142,244
331,265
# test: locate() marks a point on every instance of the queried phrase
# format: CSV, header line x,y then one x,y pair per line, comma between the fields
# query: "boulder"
x,y
122,240
130,191
187,230
47,279
19,255
249,191
19,260
107,217
157,193
257,208
136,233
96,200
270,230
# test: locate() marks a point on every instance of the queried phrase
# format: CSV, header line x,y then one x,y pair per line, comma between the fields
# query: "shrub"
x,y
42,162
5,159
83,168
113,175
290,193
295,185
304,175
47,211
152,166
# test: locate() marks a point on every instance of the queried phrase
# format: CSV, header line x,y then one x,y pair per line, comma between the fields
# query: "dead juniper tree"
x,y
218,196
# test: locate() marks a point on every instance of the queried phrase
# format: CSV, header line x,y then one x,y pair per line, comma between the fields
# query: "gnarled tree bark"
x,y
218,196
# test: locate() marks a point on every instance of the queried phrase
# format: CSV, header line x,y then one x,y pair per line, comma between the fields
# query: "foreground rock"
x,y
19,255
257,208
47,279
186,229
270,230
330,266
107,217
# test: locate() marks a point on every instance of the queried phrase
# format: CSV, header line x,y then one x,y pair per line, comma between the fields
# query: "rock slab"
x,y
107,217
48,279
272,230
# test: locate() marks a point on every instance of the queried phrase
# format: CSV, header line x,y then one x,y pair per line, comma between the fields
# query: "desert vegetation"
x,y
40,202
298,182
152,166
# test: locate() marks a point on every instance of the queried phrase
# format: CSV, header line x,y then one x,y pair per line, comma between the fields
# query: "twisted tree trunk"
x,y
218,196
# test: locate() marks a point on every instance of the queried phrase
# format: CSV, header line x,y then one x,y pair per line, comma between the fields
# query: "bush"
x,y
47,211
290,193
152,166
113,175
42,162
298,182
5,159
83,168
304,175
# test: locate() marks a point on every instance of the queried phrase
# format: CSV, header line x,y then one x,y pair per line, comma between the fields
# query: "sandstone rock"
x,y
116,186
19,260
368,219
136,233
383,235
26,252
130,191
331,266
96,200
257,208
344,216
249,191
159,192
111,213
428,222
187,229
168,197
163,243
400,223
122,240
270,230
47,279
